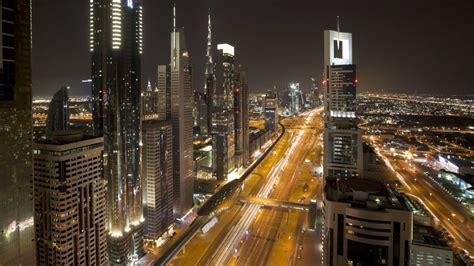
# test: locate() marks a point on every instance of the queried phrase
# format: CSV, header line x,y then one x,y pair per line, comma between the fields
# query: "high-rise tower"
x,y
70,205
342,138
271,111
164,92
157,170
182,121
210,82
237,110
58,112
16,136
223,135
116,30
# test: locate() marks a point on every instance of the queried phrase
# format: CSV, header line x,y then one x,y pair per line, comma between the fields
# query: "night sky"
x,y
409,46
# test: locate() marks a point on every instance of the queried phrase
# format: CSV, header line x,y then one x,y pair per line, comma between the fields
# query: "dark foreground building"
x,y
16,136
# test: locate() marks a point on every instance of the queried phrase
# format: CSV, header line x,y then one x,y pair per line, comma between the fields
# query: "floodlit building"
x,y
182,122
342,138
16,130
296,99
365,223
157,172
69,196
116,47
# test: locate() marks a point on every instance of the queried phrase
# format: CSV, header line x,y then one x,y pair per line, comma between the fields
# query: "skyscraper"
x,y
150,104
182,121
16,136
245,119
69,191
238,114
210,79
223,135
116,30
296,100
342,138
58,112
164,92
201,107
157,171
271,111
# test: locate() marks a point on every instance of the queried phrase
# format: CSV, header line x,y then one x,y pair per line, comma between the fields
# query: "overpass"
x,y
275,203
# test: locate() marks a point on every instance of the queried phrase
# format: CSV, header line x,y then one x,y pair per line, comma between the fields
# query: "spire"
x,y
174,16
209,45
209,64
338,31
148,87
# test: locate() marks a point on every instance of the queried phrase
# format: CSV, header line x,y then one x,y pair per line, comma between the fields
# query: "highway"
x,y
446,211
254,235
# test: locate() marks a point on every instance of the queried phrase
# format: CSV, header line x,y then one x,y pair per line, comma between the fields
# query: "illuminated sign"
x,y
226,48
337,48
130,3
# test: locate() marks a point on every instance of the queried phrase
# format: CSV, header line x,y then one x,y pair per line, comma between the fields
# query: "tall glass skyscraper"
x,y
223,135
210,78
116,32
58,112
182,122
16,137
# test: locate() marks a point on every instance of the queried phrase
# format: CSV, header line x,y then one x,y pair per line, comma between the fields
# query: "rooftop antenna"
x,y
174,36
338,26
338,31
174,16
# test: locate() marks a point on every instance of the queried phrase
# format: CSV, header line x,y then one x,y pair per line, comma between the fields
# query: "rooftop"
x,y
426,235
365,193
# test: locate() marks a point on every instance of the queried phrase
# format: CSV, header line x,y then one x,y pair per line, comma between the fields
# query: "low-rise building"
x,y
428,248
366,223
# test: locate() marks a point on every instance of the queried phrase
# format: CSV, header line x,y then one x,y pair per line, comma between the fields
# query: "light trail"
x,y
237,231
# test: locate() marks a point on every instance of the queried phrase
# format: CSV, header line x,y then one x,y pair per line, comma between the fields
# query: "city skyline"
x,y
181,164
408,47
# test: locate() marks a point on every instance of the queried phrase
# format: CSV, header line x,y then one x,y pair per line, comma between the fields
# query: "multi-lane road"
x,y
250,234
446,211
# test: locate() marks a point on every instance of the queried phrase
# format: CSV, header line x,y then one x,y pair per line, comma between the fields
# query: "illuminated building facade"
x,y
296,100
157,170
116,46
58,112
150,104
342,138
16,135
210,82
164,92
365,223
182,122
223,135
69,193
271,111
